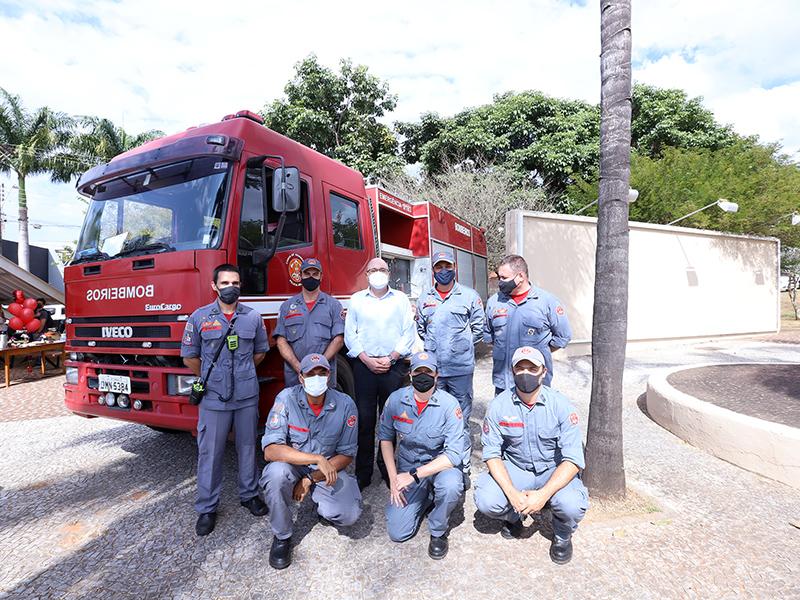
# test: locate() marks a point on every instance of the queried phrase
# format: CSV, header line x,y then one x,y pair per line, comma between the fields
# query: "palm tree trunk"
x,y
23,247
605,468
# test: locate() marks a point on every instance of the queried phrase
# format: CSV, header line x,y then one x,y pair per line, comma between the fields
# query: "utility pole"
x,y
2,199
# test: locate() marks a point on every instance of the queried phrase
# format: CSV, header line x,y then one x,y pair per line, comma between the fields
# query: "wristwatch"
x,y
392,361
413,473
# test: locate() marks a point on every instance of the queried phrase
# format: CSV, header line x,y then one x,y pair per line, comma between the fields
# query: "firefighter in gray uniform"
x,y
450,321
311,321
422,441
522,315
231,397
532,446
311,437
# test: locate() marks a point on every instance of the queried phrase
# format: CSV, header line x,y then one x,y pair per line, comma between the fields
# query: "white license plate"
x,y
118,384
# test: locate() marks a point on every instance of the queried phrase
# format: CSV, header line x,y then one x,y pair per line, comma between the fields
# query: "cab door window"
x,y
258,225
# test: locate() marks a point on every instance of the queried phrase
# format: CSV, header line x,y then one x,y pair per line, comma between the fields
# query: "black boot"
x,y
205,523
256,506
280,555
561,550
437,548
511,529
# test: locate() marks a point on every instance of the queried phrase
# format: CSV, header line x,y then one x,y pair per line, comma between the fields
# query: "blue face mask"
x,y
445,276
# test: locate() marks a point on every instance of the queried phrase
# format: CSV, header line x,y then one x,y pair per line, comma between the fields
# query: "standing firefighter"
x,y
311,321
450,321
522,315
222,344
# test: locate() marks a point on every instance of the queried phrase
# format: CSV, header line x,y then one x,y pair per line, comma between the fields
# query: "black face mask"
x,y
423,382
310,283
229,295
527,382
507,286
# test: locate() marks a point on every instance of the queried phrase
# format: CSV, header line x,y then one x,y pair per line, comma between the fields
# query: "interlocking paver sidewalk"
x,y
97,508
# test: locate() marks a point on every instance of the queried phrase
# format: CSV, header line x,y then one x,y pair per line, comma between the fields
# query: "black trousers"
x,y
372,390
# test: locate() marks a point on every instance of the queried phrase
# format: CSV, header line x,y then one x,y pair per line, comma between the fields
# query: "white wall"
x,y
683,283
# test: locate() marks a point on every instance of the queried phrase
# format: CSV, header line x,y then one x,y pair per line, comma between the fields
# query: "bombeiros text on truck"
x,y
163,215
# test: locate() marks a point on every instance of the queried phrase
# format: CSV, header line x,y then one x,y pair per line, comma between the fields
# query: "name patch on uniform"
x,y
294,314
402,419
511,424
573,418
298,428
500,312
351,421
210,325
429,305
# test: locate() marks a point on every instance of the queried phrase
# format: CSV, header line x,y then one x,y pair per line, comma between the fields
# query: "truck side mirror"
x,y
286,189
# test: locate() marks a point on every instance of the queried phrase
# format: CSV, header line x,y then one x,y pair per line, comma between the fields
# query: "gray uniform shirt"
x,y
232,383
534,439
418,439
309,331
291,422
451,327
539,320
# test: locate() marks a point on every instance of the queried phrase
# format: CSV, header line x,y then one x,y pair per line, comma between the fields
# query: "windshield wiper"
x,y
94,255
151,248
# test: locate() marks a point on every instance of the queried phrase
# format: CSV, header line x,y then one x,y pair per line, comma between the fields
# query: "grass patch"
x,y
633,504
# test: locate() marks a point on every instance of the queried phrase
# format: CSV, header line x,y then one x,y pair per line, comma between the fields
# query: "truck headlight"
x,y
180,385
72,375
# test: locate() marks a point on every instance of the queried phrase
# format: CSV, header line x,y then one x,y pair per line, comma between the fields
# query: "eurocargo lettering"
x,y
181,205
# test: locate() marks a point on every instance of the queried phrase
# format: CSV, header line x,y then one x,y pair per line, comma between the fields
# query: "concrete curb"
x,y
769,449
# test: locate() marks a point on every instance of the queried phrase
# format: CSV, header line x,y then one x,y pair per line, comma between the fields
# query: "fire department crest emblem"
x,y
293,263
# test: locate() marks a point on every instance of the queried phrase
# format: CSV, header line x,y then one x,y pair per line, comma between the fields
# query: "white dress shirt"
x,y
379,326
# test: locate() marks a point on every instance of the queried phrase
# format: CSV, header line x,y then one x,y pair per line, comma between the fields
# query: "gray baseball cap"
x,y
312,361
527,353
423,359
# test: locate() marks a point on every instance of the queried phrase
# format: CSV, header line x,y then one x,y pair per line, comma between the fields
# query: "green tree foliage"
x,y
100,140
547,139
765,184
32,143
669,118
337,114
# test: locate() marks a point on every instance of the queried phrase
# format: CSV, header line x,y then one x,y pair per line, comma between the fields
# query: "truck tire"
x,y
345,382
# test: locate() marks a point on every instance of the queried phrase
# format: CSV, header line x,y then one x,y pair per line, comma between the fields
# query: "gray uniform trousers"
x,y
444,490
213,427
340,504
460,387
568,505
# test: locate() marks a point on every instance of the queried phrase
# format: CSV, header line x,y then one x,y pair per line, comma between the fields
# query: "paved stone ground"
x,y
102,509
32,395
769,392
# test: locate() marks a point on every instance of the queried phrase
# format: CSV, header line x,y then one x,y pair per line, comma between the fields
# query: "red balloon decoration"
x,y
16,323
26,315
15,309
33,326
30,303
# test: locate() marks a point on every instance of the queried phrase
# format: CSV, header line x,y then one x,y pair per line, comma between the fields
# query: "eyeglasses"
x,y
381,270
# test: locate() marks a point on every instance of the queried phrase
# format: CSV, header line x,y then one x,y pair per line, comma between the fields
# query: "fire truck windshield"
x,y
179,206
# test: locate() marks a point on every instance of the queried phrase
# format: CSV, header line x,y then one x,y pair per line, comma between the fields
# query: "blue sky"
x,y
170,65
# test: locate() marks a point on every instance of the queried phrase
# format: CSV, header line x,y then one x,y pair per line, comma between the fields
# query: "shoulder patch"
x,y
459,414
486,425
274,421
351,421
573,418
343,314
560,310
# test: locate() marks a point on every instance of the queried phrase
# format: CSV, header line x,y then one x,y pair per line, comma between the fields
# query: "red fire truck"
x,y
163,215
